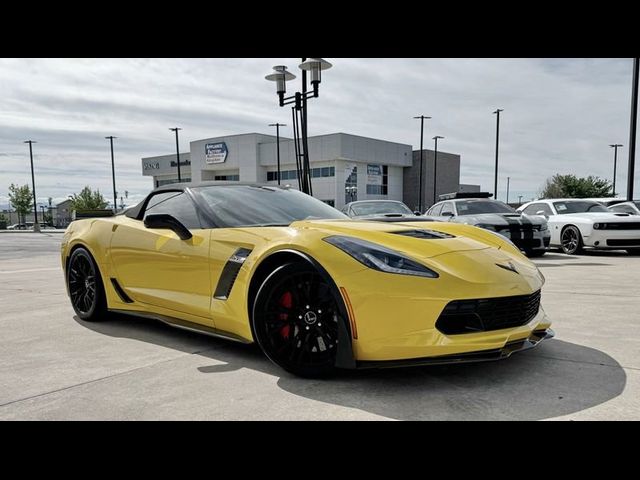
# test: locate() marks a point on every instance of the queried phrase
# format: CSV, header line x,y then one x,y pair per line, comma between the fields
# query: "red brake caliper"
x,y
286,301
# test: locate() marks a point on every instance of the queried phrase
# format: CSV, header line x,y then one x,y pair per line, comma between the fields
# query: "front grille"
x,y
526,242
486,314
619,226
518,228
623,242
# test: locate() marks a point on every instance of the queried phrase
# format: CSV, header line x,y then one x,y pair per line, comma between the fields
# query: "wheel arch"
x,y
345,356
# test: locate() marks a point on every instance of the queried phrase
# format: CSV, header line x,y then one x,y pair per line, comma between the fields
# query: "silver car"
x,y
530,233
381,210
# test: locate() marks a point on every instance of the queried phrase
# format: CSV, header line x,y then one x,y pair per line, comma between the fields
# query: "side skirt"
x,y
185,325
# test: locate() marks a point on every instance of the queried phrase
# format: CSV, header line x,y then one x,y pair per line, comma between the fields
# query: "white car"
x,y
632,208
578,223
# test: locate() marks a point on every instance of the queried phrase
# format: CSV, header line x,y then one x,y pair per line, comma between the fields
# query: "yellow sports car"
x,y
314,288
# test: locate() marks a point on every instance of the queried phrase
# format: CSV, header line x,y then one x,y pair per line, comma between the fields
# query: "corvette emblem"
x,y
510,266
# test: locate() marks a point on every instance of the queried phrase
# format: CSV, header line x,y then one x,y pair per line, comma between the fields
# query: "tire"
x,y
633,251
85,287
571,240
295,320
534,253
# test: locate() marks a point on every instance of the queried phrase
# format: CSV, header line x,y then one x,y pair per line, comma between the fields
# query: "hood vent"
x,y
424,234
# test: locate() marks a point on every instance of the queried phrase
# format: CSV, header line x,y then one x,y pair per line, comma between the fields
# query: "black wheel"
x,y
295,320
85,286
571,240
534,253
633,251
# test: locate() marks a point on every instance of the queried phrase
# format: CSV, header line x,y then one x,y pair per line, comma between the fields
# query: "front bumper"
x,y
613,239
530,240
481,356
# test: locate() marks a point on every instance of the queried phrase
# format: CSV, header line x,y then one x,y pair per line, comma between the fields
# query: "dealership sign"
x,y
151,165
215,152
374,174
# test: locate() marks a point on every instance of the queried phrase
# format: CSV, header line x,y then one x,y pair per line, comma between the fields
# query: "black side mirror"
x,y
417,212
447,214
165,221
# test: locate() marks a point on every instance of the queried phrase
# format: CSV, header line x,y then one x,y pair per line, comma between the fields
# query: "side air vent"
x,y
424,234
230,273
121,293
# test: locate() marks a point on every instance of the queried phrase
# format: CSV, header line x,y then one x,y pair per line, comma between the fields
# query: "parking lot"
x,y
54,366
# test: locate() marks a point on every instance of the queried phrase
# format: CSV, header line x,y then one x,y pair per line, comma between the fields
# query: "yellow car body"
x,y
391,317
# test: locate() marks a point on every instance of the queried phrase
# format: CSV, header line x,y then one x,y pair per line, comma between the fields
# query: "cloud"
x,y
559,115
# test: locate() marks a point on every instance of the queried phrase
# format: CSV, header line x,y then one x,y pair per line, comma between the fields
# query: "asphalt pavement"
x,y
54,366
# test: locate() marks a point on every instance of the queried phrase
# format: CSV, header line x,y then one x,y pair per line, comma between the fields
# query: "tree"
x,y
3,221
21,200
87,199
570,186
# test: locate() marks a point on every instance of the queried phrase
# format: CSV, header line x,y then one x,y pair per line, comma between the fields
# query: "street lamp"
x,y
278,125
36,225
314,67
632,130
113,174
615,162
435,168
421,117
508,180
495,182
175,129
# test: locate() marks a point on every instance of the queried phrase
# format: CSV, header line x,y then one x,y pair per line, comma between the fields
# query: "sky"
x,y
560,115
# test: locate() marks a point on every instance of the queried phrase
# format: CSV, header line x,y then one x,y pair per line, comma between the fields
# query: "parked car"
x,y
384,210
632,208
17,226
579,223
313,288
527,232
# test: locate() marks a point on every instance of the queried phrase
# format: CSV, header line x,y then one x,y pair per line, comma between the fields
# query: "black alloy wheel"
x,y
571,240
295,320
85,286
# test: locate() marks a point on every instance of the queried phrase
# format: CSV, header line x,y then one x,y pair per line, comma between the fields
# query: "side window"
x,y
176,204
533,208
435,210
447,208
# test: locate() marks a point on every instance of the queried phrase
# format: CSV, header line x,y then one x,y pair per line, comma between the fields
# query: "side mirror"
x,y
416,212
168,222
447,214
541,212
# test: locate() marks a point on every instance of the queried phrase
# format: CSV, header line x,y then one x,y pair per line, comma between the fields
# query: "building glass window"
x,y
229,178
322,172
351,186
330,202
377,179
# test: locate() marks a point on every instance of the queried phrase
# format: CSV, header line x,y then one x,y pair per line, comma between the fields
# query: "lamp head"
x,y
281,76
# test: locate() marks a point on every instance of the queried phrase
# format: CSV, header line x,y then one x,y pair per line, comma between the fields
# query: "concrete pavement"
x,y
54,366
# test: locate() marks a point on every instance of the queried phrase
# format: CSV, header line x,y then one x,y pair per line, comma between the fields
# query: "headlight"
x,y
598,226
379,257
491,228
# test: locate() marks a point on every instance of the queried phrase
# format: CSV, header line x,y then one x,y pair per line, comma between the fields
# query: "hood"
x,y
598,217
500,219
412,238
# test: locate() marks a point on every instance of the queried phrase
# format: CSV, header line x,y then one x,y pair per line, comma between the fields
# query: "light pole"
x,y
615,162
36,225
175,129
508,180
278,125
314,66
495,181
435,169
421,117
113,175
519,200
632,131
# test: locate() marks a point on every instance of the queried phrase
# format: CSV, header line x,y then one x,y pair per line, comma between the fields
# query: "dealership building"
x,y
378,169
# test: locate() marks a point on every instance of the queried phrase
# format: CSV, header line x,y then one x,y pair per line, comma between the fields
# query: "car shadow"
x,y
555,379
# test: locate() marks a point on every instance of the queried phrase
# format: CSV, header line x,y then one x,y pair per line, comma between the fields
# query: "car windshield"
x,y
246,205
580,206
380,208
474,207
637,204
